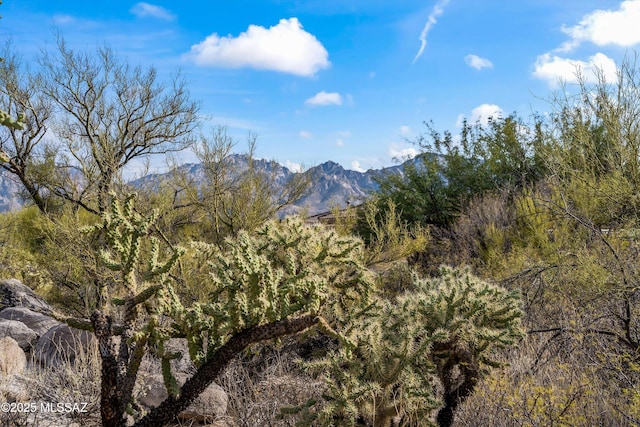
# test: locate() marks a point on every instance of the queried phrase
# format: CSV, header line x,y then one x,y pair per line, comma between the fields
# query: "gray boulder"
x,y
37,322
13,293
24,336
62,344
211,404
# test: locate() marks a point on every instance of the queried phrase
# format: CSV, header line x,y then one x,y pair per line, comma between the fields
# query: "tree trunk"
x,y
110,411
454,395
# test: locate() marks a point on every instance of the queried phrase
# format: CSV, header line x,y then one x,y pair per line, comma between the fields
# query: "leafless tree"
x,y
107,114
26,155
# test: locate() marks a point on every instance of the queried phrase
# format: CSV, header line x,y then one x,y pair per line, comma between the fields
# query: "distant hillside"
x,y
9,190
331,184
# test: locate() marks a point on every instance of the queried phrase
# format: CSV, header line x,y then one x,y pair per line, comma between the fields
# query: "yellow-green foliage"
x,y
403,345
17,239
49,254
391,238
558,395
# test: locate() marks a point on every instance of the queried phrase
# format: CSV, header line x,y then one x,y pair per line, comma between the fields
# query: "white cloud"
x,y
437,10
355,165
340,142
481,114
554,69
345,133
405,130
402,152
285,47
325,98
293,166
305,134
606,27
143,10
474,61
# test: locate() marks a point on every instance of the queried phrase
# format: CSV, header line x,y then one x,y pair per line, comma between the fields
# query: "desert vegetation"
x,y
493,282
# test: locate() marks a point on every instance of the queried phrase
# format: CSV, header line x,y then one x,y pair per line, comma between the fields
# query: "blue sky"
x,y
349,81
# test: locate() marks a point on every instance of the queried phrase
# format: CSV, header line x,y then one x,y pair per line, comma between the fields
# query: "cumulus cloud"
x,y
437,10
402,152
405,130
606,27
305,134
355,165
554,69
325,98
481,114
293,166
285,47
144,10
474,61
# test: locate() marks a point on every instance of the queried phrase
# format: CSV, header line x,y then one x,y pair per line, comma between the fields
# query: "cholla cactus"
x,y
279,281
286,269
468,319
446,329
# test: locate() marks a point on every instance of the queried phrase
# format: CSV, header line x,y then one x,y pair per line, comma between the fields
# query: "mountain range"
x,y
330,184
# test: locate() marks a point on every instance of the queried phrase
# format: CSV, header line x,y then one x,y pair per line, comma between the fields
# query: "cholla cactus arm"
x,y
8,121
286,269
155,268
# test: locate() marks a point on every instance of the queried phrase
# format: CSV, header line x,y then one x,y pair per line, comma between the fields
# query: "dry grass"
x,y
71,381
554,391
258,390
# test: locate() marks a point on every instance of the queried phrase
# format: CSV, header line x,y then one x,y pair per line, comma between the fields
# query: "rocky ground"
x,y
50,372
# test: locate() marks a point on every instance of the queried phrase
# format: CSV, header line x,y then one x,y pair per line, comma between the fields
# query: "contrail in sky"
x,y
438,9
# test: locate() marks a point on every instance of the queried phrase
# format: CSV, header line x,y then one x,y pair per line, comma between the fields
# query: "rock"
x,y
37,322
12,359
182,364
210,404
62,344
17,388
154,392
24,336
13,293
